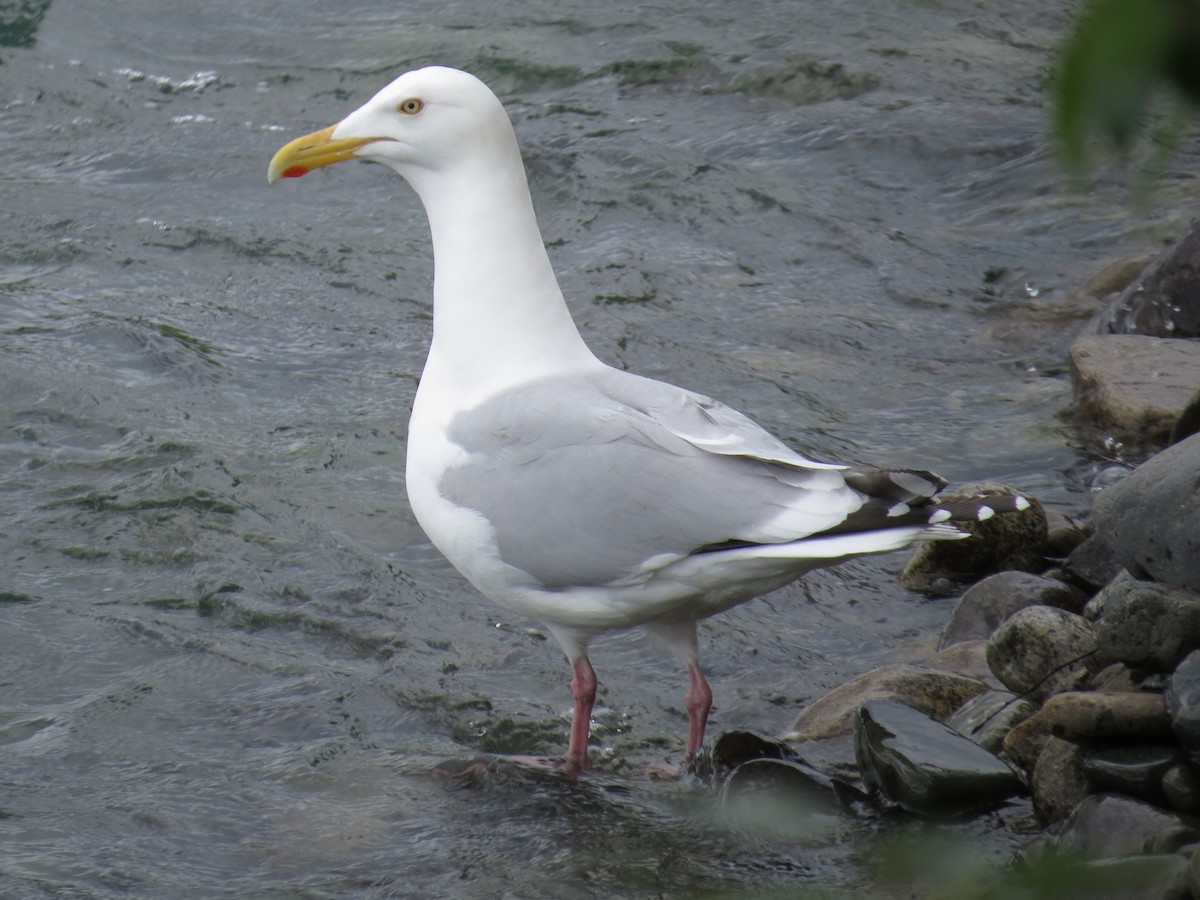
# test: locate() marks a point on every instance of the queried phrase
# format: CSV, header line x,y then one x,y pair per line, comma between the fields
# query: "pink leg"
x,y
583,689
698,703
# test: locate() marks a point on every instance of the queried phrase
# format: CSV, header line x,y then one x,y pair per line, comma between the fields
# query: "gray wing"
x,y
586,480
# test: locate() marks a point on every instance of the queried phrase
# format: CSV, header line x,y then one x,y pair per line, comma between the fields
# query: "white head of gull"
x,y
586,497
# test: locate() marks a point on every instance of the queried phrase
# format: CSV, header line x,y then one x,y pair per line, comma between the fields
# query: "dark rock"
x,y
1024,744
1058,782
1063,534
1181,787
1188,422
1164,299
1147,626
1130,390
1093,611
1137,771
1091,565
988,718
1183,705
1105,825
1013,540
1151,520
931,691
1090,717
926,767
1041,650
985,605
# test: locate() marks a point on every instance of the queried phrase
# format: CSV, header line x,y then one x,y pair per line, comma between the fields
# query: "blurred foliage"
x,y
1123,59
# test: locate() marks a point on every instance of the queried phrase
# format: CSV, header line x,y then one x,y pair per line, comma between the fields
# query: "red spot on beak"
x,y
295,171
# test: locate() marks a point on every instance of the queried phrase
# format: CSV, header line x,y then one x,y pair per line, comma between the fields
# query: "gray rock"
x,y
1164,299
1130,390
1148,626
1151,520
1040,651
1183,705
1088,717
926,767
1188,422
934,692
1137,770
1091,565
1058,782
1013,540
988,718
1063,534
1115,678
986,605
1106,825
1181,787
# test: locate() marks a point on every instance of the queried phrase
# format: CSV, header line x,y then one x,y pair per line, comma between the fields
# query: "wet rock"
x,y
1040,650
1147,626
1058,782
933,692
1014,540
1181,787
1063,534
1164,299
987,604
1151,520
1091,565
926,767
1183,705
987,718
965,658
1106,825
1131,389
1024,744
1137,771
1089,717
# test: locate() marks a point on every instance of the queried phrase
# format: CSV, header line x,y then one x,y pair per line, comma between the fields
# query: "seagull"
x,y
565,490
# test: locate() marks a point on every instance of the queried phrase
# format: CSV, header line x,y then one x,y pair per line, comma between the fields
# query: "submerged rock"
x,y
1040,651
932,691
1151,520
926,767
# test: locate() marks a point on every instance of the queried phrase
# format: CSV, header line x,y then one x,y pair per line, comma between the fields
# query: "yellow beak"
x,y
301,156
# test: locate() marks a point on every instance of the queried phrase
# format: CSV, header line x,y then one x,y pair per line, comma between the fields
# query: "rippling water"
x,y
229,661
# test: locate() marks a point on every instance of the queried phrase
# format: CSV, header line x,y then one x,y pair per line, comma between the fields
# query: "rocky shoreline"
x,y
1072,673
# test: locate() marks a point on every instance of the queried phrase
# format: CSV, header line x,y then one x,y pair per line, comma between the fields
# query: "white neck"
x,y
499,317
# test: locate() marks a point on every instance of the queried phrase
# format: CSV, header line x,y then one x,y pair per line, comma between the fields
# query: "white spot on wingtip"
x,y
1021,503
899,509
984,513
941,515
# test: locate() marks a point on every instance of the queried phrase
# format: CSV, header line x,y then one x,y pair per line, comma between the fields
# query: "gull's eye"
x,y
410,107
